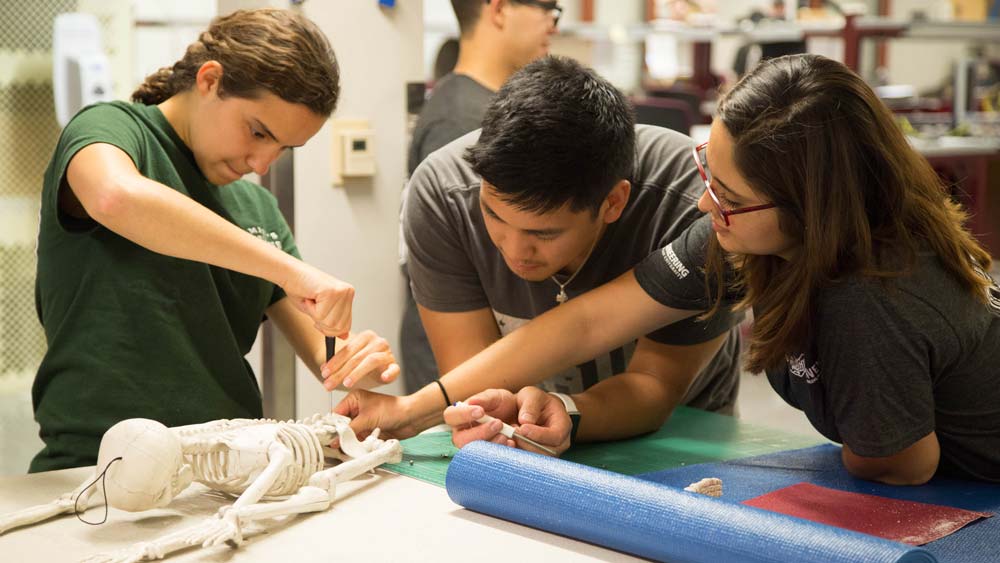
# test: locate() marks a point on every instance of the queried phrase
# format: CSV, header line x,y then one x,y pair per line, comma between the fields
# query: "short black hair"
x,y
467,12
555,134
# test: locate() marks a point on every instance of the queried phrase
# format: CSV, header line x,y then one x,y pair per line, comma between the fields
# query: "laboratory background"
x,y
935,63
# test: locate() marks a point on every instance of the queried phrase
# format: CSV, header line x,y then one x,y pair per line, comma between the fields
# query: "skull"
x,y
151,469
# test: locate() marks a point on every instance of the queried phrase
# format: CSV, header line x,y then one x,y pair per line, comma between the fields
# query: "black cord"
x,y
102,476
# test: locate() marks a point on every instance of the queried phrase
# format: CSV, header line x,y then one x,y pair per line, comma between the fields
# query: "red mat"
x,y
908,522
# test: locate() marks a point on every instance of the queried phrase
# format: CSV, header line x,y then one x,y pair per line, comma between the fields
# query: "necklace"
x,y
561,297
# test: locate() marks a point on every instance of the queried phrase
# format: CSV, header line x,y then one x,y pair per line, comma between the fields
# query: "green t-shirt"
x,y
133,333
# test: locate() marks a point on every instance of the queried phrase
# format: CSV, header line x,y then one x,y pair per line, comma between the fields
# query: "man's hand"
x,y
363,355
371,410
498,403
533,413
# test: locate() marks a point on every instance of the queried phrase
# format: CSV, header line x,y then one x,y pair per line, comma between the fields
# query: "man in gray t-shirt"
x,y
489,53
456,268
558,194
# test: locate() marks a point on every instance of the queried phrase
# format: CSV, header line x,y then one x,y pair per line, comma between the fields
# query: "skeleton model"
x,y
148,464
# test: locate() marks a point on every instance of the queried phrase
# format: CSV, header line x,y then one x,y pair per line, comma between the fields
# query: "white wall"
x,y
352,231
439,25
164,30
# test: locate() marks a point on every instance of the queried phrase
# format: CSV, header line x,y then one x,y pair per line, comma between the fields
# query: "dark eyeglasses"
x,y
706,176
551,6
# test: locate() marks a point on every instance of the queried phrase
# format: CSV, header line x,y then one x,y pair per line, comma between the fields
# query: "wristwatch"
x,y
572,411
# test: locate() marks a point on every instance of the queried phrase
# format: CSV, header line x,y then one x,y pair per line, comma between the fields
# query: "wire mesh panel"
x,y
27,24
22,342
28,135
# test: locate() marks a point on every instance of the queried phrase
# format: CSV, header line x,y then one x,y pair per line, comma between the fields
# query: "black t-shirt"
x,y
888,362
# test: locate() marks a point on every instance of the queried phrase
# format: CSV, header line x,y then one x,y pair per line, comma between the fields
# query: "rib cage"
x,y
216,468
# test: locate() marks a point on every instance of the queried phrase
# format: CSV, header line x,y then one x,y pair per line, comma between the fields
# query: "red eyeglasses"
x,y
706,176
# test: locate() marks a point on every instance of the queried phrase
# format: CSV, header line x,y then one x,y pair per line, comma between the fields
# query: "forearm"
x,y
168,222
512,362
914,465
468,350
425,407
623,406
642,398
568,335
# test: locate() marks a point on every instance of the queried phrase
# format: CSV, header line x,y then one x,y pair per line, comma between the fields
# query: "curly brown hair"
x,y
277,51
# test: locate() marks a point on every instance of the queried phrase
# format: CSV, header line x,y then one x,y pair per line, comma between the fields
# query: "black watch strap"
x,y
574,417
573,412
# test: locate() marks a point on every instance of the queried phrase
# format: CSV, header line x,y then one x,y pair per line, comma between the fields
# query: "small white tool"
x,y
508,431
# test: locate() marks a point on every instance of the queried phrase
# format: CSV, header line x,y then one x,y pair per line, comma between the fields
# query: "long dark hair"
x,y
277,51
812,137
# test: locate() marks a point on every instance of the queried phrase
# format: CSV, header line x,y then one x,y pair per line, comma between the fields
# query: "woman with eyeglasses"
x,y
873,311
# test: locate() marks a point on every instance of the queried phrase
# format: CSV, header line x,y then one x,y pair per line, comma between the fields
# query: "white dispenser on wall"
x,y
81,74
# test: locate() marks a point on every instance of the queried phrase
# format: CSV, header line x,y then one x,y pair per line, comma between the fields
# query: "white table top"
x,y
380,517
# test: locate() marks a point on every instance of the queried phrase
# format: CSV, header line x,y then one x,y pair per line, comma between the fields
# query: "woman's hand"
x,y
363,355
532,412
324,298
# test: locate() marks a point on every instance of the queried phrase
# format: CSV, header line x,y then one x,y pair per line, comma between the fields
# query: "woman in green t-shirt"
x,y
157,263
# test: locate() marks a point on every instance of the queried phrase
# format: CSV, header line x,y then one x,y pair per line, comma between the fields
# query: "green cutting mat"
x,y
690,436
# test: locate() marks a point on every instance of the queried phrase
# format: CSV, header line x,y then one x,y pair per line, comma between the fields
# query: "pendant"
x,y
561,297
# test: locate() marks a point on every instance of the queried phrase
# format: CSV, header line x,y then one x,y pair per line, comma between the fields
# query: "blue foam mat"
x,y
978,542
647,518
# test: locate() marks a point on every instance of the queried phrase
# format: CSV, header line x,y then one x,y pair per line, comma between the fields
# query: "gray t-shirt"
x,y
887,363
455,267
456,106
